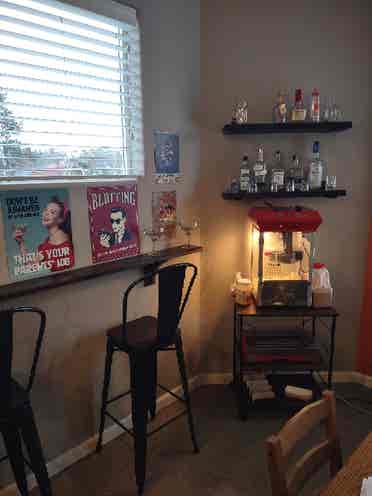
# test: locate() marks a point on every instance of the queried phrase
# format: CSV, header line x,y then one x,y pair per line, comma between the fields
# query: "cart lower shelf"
x,y
278,383
281,350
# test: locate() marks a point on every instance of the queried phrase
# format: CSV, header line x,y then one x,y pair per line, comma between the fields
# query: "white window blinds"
x,y
70,91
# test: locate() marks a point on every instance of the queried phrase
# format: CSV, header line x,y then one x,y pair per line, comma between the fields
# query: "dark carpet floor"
x,y
232,460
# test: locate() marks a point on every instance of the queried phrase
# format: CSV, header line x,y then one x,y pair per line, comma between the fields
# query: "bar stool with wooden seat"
x,y
289,480
142,339
16,416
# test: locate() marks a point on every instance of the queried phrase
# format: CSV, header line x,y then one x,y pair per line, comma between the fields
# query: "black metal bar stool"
x,y
142,339
16,416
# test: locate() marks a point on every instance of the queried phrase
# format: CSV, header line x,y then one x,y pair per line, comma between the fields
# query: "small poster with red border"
x,y
113,221
164,212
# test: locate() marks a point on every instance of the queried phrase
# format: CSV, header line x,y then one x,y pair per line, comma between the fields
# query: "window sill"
x,y
61,181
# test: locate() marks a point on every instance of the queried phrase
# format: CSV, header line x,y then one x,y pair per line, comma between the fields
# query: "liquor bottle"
x,y
291,175
298,173
315,106
277,173
316,168
295,176
299,111
260,170
280,109
245,175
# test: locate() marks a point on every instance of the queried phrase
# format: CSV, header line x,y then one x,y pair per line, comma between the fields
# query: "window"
x,y
70,92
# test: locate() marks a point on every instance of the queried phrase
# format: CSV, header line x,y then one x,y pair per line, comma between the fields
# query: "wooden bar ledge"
x,y
144,261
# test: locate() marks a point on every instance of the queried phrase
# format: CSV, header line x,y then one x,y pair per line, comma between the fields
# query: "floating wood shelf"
x,y
146,262
287,127
284,194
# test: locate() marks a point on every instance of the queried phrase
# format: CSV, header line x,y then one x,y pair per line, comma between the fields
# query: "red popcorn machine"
x,y
282,245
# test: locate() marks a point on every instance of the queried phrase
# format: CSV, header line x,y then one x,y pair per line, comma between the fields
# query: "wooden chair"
x,y
289,481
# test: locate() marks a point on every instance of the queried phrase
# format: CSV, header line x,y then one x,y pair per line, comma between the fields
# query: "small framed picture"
x,y
166,157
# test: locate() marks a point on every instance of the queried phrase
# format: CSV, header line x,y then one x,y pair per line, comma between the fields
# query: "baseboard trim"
x,y
72,456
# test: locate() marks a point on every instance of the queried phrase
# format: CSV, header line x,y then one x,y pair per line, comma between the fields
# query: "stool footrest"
x,y
130,431
27,462
120,424
176,417
111,400
179,398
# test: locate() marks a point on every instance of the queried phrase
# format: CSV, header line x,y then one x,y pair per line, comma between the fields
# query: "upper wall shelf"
x,y
287,127
319,193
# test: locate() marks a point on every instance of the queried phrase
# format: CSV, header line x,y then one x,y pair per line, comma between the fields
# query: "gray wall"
x,y
250,50
67,392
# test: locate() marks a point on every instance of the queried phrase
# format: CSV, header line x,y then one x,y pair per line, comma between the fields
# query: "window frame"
x,y
107,10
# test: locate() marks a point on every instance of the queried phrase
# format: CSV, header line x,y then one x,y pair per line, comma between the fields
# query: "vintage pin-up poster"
x,y
38,235
164,212
113,219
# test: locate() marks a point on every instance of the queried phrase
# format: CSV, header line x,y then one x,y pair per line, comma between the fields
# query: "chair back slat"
x,y
303,422
173,296
289,480
6,351
308,465
6,356
171,282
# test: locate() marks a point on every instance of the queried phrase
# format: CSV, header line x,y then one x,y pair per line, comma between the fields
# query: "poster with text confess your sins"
x,y
38,235
113,219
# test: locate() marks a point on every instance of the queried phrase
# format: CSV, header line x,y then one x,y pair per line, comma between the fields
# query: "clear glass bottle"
x,y
245,174
235,187
290,175
316,168
295,175
277,173
298,173
280,108
315,106
299,111
260,170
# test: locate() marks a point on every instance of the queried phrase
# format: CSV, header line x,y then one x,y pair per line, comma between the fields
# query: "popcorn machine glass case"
x,y
282,244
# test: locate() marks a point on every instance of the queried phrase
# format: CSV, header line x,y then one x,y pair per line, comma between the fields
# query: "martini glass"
x,y
188,229
154,235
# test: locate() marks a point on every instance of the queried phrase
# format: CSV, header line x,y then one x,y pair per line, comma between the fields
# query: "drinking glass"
x,y
290,186
305,186
326,110
331,182
336,113
188,229
274,187
332,111
154,235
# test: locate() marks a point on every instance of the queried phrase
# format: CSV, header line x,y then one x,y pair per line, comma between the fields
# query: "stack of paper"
x,y
259,387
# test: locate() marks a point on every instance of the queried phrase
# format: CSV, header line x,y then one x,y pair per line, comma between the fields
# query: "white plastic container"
x,y
321,286
242,290
320,277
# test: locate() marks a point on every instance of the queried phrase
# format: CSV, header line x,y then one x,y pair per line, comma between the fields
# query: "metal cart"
x,y
309,347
